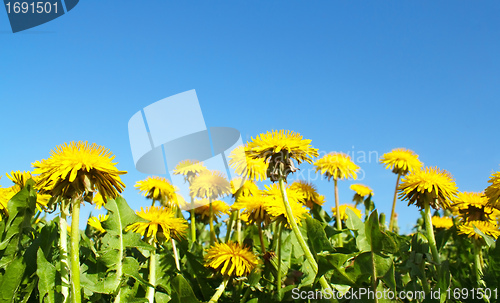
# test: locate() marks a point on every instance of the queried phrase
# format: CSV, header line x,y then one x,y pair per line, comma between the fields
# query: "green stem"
x,y
75,251
278,278
238,226
298,235
176,255
393,212
63,242
193,222
337,210
425,283
150,293
220,290
229,226
245,296
261,237
374,276
430,235
211,222
477,263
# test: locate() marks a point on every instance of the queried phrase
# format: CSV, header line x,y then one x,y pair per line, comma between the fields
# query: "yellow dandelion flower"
x,y
337,166
19,178
343,208
429,185
401,161
157,188
253,209
493,191
240,188
231,259
210,185
98,201
162,224
310,193
246,166
189,169
203,208
442,222
76,168
474,206
278,149
96,222
487,228
276,208
361,190
5,195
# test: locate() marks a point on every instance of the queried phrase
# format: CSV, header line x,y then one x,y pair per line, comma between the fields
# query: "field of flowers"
x,y
278,244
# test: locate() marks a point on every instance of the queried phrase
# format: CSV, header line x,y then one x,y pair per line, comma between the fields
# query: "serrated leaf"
x,y
46,273
317,236
182,291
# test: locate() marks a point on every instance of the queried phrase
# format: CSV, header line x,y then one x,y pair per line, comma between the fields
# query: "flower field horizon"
x,y
267,236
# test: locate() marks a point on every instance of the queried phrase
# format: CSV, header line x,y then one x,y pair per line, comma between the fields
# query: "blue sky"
x,y
349,75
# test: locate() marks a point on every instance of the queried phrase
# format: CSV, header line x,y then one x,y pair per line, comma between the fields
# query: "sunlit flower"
x,y
493,191
210,185
276,208
218,207
189,169
98,201
487,228
401,161
19,178
442,222
5,195
162,224
157,188
279,149
474,206
96,222
231,259
428,185
337,166
253,209
78,168
343,208
240,188
361,190
246,166
310,193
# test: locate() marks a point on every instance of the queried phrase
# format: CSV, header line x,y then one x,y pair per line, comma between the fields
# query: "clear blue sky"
x,y
349,75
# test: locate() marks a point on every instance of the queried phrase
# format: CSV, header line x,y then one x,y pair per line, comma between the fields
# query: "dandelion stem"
x,y
300,238
193,222
75,250
211,222
278,278
337,210
261,237
477,263
229,226
150,293
391,222
63,242
220,290
176,255
430,235
238,226
374,276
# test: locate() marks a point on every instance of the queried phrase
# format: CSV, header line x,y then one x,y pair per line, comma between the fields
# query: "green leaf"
x,y
46,273
336,263
378,240
354,223
317,236
489,240
181,291
11,280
